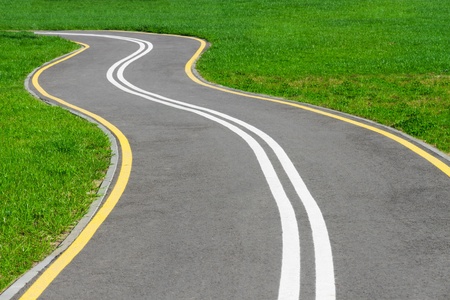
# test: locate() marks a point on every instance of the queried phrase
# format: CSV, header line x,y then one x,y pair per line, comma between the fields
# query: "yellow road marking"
x,y
433,160
80,242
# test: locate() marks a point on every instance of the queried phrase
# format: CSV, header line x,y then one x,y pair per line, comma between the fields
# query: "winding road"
x,y
238,196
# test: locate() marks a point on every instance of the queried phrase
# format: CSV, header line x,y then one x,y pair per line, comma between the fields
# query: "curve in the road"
x,y
325,286
444,167
124,173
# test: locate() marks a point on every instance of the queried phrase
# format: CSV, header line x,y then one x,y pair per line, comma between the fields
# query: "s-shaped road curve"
x,y
233,197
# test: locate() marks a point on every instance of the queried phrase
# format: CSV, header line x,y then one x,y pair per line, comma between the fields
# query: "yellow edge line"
x,y
80,242
433,160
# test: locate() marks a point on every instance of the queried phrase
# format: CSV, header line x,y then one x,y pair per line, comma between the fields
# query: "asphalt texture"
x,y
198,220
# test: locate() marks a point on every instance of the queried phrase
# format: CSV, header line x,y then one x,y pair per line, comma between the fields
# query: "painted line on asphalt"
x,y
43,281
445,168
289,287
325,283
290,270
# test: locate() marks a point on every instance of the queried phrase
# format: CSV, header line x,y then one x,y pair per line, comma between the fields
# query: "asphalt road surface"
x,y
234,197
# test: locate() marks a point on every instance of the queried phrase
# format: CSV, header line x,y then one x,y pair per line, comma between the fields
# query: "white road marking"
x,y
290,276
290,268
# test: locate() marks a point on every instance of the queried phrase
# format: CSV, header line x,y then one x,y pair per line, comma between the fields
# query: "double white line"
x,y
289,287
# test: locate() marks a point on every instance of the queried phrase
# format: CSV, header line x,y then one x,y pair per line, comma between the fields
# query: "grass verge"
x,y
50,159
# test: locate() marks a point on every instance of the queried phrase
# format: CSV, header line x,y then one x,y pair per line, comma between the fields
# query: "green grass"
x,y
385,60
50,159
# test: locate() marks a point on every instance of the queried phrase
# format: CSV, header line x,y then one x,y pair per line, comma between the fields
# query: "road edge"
x,y
119,143
433,155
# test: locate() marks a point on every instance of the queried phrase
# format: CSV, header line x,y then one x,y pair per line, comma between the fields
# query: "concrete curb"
x,y
22,281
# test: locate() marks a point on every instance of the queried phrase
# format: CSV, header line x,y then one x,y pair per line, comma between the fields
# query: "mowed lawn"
x,y
388,61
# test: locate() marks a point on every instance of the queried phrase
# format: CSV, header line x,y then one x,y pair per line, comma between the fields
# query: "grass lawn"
x,y
384,60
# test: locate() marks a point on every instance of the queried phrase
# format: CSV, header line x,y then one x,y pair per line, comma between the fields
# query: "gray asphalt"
x,y
197,219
